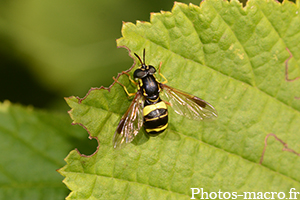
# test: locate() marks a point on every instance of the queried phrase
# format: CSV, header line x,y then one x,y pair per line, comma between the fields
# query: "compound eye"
x,y
151,70
139,73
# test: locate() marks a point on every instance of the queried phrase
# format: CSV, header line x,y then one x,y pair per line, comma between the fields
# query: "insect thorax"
x,y
150,88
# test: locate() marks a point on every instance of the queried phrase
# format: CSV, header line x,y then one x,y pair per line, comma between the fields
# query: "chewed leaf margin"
x,y
80,100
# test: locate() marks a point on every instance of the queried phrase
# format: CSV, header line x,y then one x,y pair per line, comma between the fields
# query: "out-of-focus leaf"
x,y
33,145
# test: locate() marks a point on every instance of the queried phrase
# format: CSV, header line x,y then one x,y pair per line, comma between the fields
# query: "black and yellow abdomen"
x,y
155,117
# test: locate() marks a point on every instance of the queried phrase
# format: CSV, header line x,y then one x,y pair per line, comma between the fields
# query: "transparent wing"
x,y
130,123
188,105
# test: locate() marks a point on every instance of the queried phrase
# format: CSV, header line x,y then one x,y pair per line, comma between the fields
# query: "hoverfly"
x,y
149,110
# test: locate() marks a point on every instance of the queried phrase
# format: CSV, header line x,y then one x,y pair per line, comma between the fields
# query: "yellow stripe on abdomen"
x,y
157,129
149,108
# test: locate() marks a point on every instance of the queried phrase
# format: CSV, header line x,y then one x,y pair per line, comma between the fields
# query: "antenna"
x,y
139,58
142,62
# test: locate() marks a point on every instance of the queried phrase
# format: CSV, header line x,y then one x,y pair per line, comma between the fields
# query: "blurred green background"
x,y
54,49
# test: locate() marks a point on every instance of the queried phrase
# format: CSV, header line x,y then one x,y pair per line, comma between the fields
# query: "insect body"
x,y
155,111
148,109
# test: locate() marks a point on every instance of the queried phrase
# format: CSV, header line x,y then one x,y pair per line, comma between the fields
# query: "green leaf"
x,y
32,146
232,57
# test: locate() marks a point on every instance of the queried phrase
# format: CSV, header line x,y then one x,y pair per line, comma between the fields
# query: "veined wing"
x,y
188,105
130,123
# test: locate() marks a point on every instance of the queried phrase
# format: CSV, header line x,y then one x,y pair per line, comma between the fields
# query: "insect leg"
x,y
165,81
130,78
129,94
